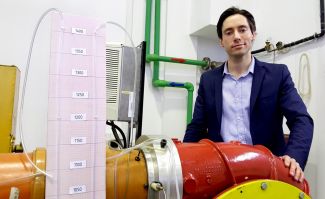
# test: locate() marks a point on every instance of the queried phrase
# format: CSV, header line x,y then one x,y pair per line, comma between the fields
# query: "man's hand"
x,y
294,168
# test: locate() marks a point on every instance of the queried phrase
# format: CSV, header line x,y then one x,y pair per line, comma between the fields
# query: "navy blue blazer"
x,y
273,96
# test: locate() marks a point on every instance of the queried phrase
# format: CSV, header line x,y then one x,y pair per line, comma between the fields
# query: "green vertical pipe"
x,y
156,40
190,89
148,25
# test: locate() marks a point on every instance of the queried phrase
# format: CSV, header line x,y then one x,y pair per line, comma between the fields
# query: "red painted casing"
x,y
209,168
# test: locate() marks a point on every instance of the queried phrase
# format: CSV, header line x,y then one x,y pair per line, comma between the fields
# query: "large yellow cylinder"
x,y
126,177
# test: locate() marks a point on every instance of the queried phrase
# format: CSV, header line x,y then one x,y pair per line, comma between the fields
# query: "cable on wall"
x,y
304,84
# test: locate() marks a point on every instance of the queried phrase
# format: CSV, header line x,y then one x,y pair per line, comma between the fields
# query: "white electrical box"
x,y
121,71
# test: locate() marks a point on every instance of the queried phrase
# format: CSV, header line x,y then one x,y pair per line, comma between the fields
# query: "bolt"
x,y
137,158
214,64
207,60
268,46
301,195
263,186
163,143
156,186
279,45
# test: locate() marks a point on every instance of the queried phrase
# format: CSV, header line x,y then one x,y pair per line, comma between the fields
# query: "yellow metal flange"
x,y
266,189
38,187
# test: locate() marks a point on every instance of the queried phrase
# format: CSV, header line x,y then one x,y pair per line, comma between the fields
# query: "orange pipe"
x,y
126,177
16,171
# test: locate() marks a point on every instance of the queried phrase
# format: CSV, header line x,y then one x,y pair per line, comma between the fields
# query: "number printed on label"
x,y
78,140
80,94
79,31
77,189
81,73
78,51
78,116
78,164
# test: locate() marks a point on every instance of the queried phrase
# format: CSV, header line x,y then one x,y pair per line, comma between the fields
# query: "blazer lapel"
x,y
258,77
218,92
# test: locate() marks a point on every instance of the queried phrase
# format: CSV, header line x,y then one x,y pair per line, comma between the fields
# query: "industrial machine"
x,y
9,86
156,167
159,167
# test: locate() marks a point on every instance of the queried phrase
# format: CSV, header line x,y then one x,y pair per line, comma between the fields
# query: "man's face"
x,y
237,37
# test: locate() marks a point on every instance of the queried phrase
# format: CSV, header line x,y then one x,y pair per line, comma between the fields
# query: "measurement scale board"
x,y
76,152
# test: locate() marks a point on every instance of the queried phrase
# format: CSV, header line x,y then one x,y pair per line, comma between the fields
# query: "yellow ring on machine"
x,y
266,189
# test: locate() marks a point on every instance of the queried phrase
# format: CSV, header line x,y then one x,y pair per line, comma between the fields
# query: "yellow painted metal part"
x,y
9,84
266,189
38,188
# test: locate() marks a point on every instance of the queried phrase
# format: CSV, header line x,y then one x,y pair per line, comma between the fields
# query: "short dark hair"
x,y
232,11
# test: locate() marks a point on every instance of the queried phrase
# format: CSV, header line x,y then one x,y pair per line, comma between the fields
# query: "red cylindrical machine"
x,y
209,168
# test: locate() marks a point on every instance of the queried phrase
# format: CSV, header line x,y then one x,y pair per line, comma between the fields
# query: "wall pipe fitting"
x,y
154,57
306,39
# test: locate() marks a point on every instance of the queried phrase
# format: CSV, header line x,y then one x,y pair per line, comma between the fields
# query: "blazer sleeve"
x,y
298,120
197,128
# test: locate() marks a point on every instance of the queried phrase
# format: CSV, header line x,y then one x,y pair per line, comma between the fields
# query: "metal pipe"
x,y
155,57
222,165
148,25
315,36
190,89
156,40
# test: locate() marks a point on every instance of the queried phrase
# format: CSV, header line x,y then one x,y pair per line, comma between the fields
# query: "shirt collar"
x,y
250,68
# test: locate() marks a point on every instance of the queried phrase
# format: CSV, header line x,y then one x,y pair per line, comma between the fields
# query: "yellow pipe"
x,y
16,171
126,177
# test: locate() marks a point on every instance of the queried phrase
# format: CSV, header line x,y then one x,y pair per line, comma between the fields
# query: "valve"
x,y
268,46
208,61
157,186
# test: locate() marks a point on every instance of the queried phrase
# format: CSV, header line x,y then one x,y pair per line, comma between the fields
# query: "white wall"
x,y
18,19
165,108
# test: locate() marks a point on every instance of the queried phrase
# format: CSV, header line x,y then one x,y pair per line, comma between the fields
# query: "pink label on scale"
x,y
77,65
63,131
67,86
85,45
76,149
89,25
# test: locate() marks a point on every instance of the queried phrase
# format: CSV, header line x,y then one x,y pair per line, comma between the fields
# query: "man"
x,y
246,99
